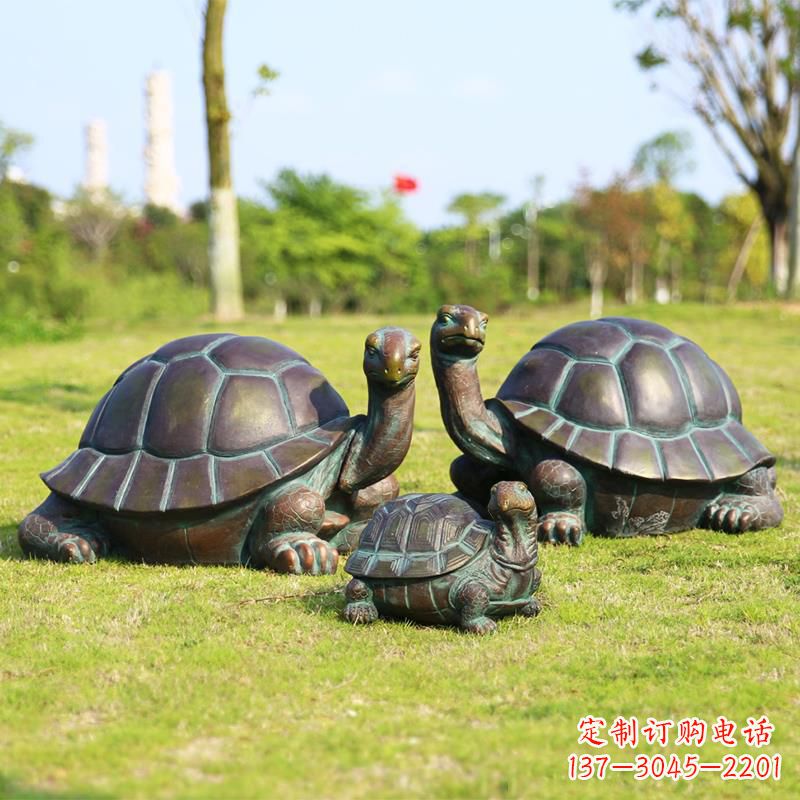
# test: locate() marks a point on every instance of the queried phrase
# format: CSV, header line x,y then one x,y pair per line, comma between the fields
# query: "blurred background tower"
x,y
161,179
95,179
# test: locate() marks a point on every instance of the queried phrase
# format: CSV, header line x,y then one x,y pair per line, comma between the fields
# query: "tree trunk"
x,y
675,293
779,238
597,280
794,228
533,257
280,309
636,284
226,276
471,254
741,259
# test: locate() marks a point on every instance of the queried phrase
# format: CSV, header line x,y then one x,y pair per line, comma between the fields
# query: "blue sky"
x,y
466,96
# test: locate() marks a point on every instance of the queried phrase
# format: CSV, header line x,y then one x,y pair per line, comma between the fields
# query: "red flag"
x,y
404,184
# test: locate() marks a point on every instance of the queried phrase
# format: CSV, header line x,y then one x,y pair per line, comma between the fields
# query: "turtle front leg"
x,y
472,605
287,541
560,494
749,504
360,610
61,531
361,505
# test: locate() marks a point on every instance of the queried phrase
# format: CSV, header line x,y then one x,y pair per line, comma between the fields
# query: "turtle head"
x,y
513,510
391,357
459,331
511,499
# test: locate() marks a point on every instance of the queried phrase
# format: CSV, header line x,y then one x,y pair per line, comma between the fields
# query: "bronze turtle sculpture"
x,y
617,425
434,559
228,449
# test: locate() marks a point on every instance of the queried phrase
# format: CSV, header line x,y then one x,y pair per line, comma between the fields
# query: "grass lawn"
x,y
124,680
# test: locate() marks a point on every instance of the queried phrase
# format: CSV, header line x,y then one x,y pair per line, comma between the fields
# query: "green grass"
x,y
123,680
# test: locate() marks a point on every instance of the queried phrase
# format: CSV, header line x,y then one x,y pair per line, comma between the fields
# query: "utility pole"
x,y
532,230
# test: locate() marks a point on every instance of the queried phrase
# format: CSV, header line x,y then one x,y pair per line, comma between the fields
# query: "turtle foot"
x,y
56,531
531,608
730,514
479,625
360,613
560,527
301,553
70,548
360,610
346,540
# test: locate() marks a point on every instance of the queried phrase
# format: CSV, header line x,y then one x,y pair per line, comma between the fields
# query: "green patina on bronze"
x,y
220,448
618,425
434,559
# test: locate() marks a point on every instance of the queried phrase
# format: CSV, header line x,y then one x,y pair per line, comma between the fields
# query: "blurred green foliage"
x,y
311,244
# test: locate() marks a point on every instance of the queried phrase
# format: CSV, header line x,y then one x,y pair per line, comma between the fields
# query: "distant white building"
x,y
95,178
16,174
161,178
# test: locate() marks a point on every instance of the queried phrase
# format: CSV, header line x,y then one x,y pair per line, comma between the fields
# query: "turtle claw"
x,y
360,610
360,613
75,550
531,608
560,528
59,531
301,553
480,625
731,517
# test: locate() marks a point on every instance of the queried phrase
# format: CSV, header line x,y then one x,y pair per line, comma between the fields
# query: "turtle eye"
x,y
445,318
484,323
372,350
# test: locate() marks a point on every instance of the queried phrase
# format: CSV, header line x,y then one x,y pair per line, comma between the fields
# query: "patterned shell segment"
x,y
204,420
634,397
419,536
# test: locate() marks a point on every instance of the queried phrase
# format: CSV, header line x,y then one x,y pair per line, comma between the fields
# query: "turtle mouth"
x,y
390,380
461,341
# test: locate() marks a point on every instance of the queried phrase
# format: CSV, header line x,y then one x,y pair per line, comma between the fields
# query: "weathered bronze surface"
x,y
434,559
230,449
618,426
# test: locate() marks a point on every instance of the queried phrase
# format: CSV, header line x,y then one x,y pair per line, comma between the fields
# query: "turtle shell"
x,y
204,420
419,536
636,398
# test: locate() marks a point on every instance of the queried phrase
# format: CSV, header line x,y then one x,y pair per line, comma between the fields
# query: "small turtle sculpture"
x,y
434,559
618,426
226,449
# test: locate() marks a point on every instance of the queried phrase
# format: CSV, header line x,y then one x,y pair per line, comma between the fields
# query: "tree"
x,y
323,244
613,223
474,208
94,221
12,142
657,163
223,243
745,251
742,58
664,157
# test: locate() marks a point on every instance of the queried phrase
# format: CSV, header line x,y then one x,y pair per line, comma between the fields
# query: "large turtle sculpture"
x,y
618,426
225,449
434,559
